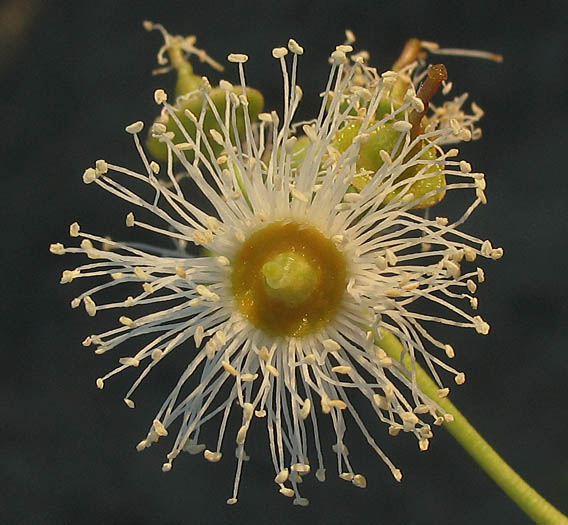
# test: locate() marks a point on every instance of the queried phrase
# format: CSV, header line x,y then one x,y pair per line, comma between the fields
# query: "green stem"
x,y
530,501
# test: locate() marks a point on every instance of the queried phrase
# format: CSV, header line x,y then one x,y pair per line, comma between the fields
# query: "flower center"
x,y
288,279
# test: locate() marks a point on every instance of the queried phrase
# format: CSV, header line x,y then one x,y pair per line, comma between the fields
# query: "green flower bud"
x,y
188,96
193,102
384,138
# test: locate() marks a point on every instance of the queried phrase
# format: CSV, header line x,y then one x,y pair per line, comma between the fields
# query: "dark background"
x,y
73,75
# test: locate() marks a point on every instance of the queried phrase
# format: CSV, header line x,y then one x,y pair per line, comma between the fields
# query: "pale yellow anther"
x,y
213,457
237,58
279,52
184,146
217,137
129,361
295,47
449,349
282,476
204,85
160,96
249,378
300,468
306,409
402,126
394,430
155,167
198,335
74,229
156,354
347,476
135,127
159,428
339,57
409,420
385,156
331,345
465,167
397,474
342,369
86,245
180,272
471,286
469,253
480,275
101,167
158,128
225,85
90,306
443,392
454,152
337,403
100,383
129,403
57,248
242,435
496,253
89,175
310,359
421,409
481,327
455,125
272,370
211,348
264,354
248,411
289,493
126,321
141,445
359,481
486,248
130,220
381,401
453,268
147,287
141,274
230,369
459,378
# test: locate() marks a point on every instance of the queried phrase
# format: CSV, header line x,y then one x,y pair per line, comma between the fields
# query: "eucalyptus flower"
x,y
318,257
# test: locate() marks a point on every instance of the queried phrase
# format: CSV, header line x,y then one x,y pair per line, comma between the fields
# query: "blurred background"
x,y
73,74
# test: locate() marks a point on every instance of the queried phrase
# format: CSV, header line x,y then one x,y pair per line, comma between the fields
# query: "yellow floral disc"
x,y
299,309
